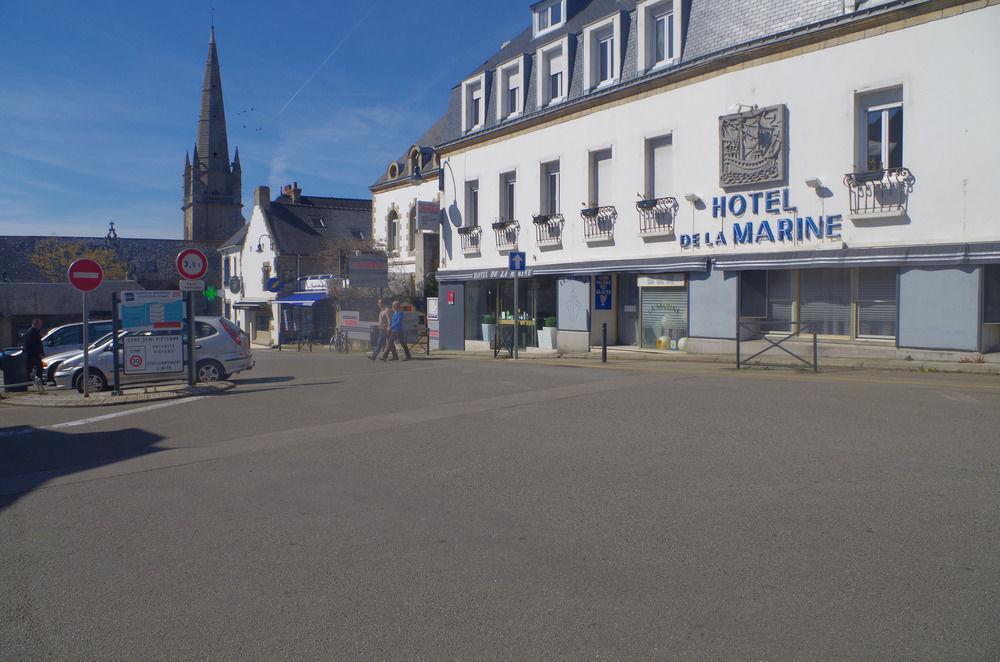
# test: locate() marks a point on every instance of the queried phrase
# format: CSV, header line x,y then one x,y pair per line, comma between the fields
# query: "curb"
x,y
107,400
717,359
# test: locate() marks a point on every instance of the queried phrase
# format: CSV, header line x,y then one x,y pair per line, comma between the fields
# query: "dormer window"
x,y
318,222
602,52
553,72
549,16
473,103
660,30
510,84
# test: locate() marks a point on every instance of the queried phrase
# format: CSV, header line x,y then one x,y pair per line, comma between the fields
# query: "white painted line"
x,y
98,419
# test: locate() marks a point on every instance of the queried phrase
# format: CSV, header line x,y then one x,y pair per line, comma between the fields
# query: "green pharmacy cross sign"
x,y
211,294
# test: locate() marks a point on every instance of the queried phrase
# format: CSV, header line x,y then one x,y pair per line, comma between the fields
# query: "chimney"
x,y
292,192
262,197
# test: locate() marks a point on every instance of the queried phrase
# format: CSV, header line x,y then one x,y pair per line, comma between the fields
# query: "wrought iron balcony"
x,y
879,194
599,223
472,238
656,216
506,233
548,229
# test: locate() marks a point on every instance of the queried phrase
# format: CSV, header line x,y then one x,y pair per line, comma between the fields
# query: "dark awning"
x,y
306,299
250,305
653,265
942,255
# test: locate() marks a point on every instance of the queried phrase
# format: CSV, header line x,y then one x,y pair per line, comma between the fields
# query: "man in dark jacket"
x,y
34,349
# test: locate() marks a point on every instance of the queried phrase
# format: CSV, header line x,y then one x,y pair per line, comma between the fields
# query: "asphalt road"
x,y
473,509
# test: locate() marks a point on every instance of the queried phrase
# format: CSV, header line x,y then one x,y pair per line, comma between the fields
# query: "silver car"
x,y
221,349
69,337
51,362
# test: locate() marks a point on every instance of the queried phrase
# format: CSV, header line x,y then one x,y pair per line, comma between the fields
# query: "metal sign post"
x,y
115,325
190,337
517,263
85,275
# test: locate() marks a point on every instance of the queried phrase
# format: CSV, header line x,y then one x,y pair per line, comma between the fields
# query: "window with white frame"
x,y
549,203
602,57
600,178
508,195
548,16
473,103
392,232
881,130
553,73
659,167
510,79
472,203
660,33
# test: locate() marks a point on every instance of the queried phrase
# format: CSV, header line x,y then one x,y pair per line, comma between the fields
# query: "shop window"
x,y
753,294
780,300
664,316
991,294
877,302
472,203
825,301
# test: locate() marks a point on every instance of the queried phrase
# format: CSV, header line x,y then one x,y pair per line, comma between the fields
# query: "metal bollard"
x,y
604,342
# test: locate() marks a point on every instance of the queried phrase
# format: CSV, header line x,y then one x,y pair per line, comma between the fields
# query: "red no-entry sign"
x,y
85,275
191,264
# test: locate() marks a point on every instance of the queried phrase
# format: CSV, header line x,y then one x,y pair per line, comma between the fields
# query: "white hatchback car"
x,y
221,349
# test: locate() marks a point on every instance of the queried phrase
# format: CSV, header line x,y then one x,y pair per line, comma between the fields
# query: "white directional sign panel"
x,y
155,353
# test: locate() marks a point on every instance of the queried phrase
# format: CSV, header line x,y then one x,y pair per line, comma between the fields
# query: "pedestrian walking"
x,y
396,333
34,349
384,317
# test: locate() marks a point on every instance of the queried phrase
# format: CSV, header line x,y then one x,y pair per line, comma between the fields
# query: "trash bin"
x,y
15,370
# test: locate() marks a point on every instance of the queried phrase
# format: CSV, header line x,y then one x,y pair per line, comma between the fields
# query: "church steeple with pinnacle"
x,y
213,194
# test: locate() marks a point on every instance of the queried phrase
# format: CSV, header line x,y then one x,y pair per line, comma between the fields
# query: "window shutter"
x,y
877,302
664,315
825,301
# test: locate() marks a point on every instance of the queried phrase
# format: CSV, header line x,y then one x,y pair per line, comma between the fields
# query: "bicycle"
x,y
307,341
338,342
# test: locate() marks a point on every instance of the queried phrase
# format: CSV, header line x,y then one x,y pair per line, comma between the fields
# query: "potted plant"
x,y
489,326
547,334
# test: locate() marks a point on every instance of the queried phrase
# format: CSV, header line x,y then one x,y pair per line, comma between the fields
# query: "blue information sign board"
x,y
602,293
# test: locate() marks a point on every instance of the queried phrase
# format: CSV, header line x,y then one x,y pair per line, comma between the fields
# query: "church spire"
x,y
236,161
213,145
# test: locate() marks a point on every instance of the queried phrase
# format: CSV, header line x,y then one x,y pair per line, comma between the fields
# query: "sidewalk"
x,y
71,399
772,359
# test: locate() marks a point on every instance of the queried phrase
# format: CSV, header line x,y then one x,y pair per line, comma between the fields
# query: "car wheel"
x,y
210,371
98,382
51,373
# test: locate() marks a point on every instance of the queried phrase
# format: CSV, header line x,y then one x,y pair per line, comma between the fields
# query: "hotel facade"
x,y
688,171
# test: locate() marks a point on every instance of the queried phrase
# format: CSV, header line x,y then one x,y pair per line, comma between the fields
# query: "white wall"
x,y
249,269
402,199
947,69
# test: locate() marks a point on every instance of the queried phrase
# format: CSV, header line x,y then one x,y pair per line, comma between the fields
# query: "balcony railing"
x,y
548,229
599,223
879,194
472,238
656,216
506,233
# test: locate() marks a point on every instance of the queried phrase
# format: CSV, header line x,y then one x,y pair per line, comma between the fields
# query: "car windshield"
x,y
105,338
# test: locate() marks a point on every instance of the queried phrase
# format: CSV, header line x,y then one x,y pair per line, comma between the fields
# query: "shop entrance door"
x,y
628,309
664,316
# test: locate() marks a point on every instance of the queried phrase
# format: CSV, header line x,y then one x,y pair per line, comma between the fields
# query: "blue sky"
x,y
99,99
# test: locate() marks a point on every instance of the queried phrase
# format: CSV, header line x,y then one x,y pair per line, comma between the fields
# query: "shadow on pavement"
x,y
264,380
29,457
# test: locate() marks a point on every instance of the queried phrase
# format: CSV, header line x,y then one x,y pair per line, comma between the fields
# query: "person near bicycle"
x,y
384,317
396,333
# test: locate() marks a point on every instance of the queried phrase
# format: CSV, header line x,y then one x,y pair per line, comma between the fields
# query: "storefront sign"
x,y
602,293
786,227
432,308
371,271
499,274
349,317
428,216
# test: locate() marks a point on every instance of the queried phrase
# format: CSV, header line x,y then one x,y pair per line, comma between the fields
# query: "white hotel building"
x,y
674,168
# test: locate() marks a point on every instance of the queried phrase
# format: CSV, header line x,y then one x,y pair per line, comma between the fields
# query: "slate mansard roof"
x,y
711,29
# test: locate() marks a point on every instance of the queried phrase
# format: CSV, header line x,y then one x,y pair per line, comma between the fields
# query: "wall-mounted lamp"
x,y
693,198
814,182
260,245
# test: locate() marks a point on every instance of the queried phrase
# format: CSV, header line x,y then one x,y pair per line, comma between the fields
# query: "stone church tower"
x,y
213,194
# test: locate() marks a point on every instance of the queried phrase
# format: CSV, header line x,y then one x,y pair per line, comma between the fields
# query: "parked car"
x,y
51,362
221,350
69,337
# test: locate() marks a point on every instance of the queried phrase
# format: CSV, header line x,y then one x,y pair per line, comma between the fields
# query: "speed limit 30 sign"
x,y
191,264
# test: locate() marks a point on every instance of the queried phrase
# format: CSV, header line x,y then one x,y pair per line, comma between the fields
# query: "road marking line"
x,y
98,419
